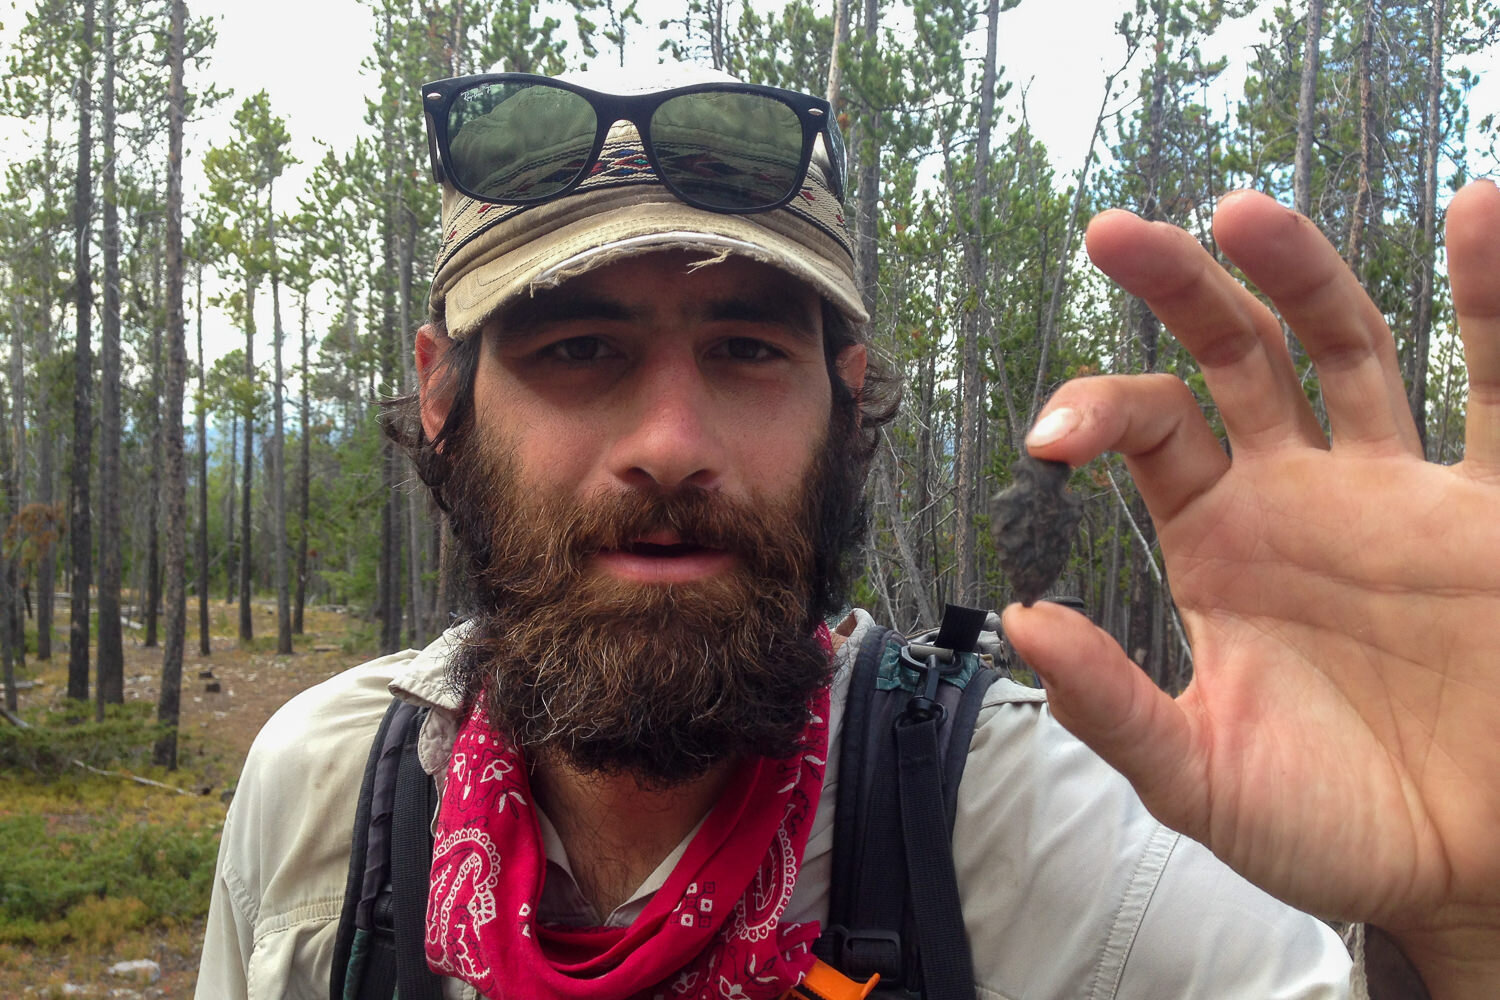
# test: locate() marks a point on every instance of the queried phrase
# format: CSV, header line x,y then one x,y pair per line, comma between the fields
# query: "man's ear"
x,y
432,352
850,364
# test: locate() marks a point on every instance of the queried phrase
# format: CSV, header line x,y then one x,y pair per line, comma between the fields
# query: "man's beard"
x,y
660,682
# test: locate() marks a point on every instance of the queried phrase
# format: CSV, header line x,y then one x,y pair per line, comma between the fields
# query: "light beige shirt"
x,y
1070,889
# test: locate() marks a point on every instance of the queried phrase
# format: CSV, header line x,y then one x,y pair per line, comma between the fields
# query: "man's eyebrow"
x,y
779,310
528,314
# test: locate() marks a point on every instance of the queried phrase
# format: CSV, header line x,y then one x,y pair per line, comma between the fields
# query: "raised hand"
x,y
1340,742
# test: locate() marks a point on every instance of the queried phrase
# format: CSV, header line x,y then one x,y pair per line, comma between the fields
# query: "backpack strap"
x,y
411,871
373,952
894,907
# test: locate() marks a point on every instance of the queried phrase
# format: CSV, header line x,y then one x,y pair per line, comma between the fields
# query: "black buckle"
x,y
859,953
959,631
923,705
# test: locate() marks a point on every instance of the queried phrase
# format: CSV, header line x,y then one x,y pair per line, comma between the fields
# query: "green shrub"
x,y
71,878
57,738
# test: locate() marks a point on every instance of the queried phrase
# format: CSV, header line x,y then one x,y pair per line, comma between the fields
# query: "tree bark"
x,y
168,705
15,618
1307,99
866,250
406,250
975,316
151,601
46,469
110,669
205,647
1354,251
278,461
247,625
1421,337
303,485
80,541
231,552
9,506
835,55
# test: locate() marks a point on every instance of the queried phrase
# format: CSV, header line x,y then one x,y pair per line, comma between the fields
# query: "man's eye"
x,y
577,349
749,349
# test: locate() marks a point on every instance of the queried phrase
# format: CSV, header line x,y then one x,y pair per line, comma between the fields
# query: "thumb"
x,y
1110,704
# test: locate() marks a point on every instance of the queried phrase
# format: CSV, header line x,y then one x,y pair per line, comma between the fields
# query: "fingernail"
x,y
1053,427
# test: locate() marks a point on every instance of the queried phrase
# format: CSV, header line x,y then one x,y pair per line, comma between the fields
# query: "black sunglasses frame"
x,y
813,112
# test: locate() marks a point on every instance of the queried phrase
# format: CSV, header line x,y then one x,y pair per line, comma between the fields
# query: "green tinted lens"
x,y
727,150
518,141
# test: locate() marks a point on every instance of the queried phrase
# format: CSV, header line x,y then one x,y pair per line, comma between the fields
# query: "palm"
x,y
1337,700
1338,742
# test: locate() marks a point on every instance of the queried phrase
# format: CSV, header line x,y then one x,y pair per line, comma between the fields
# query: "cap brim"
x,y
639,226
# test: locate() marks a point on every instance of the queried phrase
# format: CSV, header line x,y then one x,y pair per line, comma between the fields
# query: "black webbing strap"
x,y
962,719
344,942
868,887
875,920
851,769
411,869
947,967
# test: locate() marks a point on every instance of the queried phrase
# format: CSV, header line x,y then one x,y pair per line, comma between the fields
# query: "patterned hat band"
x,y
493,253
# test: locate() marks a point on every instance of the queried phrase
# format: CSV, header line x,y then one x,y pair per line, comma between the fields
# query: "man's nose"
x,y
669,435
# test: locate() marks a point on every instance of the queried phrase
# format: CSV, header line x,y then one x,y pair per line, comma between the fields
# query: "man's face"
x,y
648,496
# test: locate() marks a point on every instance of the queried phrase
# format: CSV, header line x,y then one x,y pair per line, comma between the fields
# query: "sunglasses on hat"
x,y
520,139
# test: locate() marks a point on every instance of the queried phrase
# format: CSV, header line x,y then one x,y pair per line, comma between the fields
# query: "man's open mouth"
x,y
658,550
664,557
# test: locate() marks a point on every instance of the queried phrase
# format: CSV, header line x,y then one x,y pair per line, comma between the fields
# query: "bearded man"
x,y
646,407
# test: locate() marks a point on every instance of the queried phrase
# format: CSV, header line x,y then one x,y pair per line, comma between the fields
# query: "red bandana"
x,y
712,931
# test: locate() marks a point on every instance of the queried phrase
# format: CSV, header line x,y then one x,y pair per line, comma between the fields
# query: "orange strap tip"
x,y
824,982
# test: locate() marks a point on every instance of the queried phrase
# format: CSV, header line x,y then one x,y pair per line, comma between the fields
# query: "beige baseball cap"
x,y
490,253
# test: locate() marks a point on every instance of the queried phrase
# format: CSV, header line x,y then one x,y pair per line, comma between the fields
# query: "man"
x,y
646,406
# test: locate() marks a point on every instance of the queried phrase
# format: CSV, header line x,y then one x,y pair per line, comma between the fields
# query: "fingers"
x,y
1110,704
1153,420
1344,333
1236,340
1474,270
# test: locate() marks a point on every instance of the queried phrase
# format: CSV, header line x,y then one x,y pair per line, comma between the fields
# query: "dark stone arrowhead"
x,y
1033,521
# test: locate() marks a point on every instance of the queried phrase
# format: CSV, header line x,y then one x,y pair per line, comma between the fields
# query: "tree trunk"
x,y
1354,252
231,552
302,480
247,626
46,584
1421,337
111,662
15,618
390,517
1307,98
406,250
867,145
80,534
836,55
390,556
167,709
151,593
201,557
974,324
9,507
278,464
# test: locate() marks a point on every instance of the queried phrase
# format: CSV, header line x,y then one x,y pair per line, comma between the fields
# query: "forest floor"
x,y
216,730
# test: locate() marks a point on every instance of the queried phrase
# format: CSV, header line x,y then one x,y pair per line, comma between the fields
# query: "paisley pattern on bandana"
x,y
713,930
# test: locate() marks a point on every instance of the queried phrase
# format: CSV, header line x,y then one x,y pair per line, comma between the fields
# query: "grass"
x,y
86,859
95,868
